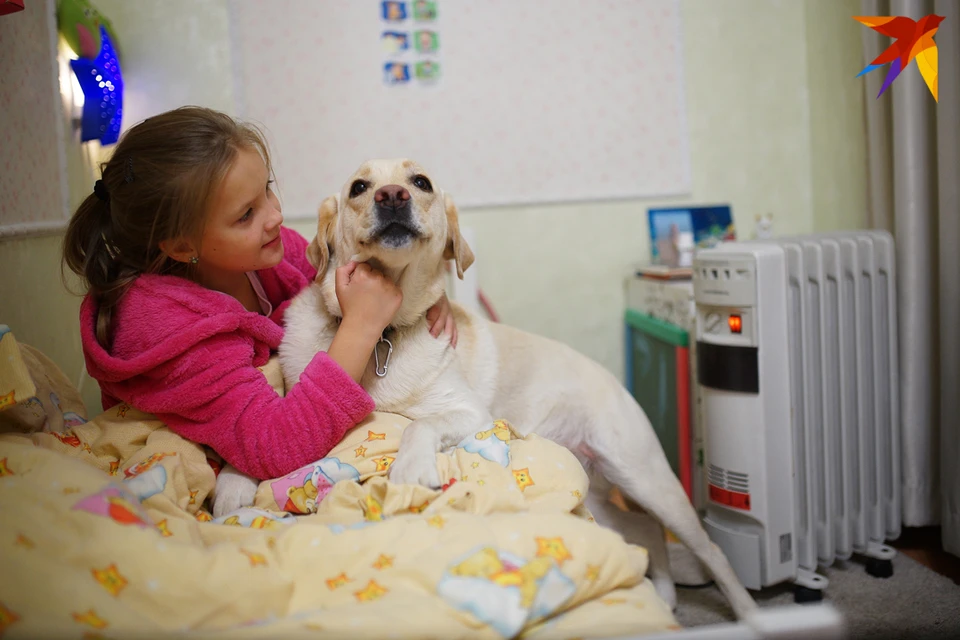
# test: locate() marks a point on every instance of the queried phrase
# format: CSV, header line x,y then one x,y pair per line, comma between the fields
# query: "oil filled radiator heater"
x,y
798,370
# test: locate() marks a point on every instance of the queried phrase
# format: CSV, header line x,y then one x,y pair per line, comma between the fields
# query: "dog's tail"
x,y
626,452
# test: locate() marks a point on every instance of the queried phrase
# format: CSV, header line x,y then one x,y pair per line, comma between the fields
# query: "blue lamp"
x,y
102,85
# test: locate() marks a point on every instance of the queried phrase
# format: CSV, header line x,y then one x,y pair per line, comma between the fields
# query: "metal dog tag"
x,y
386,361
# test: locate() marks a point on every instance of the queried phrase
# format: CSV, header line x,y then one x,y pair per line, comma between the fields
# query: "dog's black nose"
x,y
392,195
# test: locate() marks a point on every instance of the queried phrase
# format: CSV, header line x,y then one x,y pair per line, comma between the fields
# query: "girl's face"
x,y
242,230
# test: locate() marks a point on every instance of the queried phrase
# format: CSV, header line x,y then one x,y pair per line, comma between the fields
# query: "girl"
x,y
188,273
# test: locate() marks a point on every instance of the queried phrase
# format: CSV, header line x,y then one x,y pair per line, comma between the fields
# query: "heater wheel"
x,y
802,595
879,568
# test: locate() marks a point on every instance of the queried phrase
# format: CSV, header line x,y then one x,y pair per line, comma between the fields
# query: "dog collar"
x,y
381,372
383,344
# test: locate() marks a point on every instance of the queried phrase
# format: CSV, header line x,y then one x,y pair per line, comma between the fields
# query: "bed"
x,y
107,533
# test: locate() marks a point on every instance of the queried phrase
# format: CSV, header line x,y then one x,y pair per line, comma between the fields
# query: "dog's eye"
x,y
423,183
358,187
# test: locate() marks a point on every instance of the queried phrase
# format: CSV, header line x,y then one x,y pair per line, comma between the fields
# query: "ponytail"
x,y
89,252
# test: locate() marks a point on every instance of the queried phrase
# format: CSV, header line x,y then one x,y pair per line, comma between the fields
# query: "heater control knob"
x,y
712,322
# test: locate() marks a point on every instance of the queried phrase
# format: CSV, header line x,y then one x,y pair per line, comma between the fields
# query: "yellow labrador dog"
x,y
391,215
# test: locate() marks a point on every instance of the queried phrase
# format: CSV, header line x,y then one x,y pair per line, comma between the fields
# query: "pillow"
x,y
34,393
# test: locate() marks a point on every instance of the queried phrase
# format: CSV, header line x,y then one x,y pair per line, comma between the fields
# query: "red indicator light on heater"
x,y
736,324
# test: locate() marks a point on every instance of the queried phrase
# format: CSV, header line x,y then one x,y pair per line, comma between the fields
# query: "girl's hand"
x,y
368,299
440,319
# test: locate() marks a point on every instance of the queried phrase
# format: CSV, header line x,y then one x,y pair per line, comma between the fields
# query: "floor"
x,y
916,603
922,544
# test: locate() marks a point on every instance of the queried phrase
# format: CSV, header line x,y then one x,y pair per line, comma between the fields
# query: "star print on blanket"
x,y
114,513
482,463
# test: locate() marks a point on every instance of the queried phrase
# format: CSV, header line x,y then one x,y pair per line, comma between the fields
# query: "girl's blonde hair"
x,y
156,186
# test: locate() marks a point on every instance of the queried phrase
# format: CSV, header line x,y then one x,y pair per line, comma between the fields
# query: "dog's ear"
x,y
319,251
457,248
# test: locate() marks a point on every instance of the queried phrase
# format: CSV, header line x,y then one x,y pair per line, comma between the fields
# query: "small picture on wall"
x,y
395,42
394,11
409,55
424,10
426,41
396,73
428,71
672,230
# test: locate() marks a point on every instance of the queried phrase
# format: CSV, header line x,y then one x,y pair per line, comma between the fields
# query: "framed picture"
x,y
426,41
394,42
393,11
427,71
396,73
424,10
678,231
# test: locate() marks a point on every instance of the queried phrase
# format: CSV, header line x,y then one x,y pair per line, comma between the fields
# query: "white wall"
x,y
175,52
559,270
776,125
32,162
837,115
755,72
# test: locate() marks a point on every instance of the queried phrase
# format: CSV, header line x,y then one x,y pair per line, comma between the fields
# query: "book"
x,y
665,272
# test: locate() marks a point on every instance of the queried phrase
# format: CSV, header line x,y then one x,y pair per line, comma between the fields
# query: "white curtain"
x,y
914,192
948,163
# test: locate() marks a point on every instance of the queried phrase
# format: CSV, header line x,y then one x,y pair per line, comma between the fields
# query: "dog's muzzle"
x,y
395,226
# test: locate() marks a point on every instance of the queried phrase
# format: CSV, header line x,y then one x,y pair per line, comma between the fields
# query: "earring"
x,y
194,259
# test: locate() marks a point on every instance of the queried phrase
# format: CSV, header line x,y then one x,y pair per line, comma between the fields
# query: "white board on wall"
x,y
537,102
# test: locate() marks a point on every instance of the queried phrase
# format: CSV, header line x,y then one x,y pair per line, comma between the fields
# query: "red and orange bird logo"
x,y
912,40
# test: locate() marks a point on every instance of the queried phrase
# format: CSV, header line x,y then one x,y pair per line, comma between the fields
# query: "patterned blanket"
x,y
105,533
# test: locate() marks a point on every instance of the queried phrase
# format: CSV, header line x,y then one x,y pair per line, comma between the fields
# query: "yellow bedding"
x,y
105,534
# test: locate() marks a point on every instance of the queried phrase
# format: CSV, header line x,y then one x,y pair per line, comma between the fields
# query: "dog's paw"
x,y
415,467
234,491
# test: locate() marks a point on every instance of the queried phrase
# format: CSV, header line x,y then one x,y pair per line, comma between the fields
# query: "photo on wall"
x,y
393,11
424,10
396,73
411,51
426,41
395,42
428,71
675,232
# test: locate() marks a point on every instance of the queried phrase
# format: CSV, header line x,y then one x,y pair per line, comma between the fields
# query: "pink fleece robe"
x,y
189,355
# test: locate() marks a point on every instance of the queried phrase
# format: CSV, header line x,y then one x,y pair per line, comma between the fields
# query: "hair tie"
x,y
112,249
100,190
